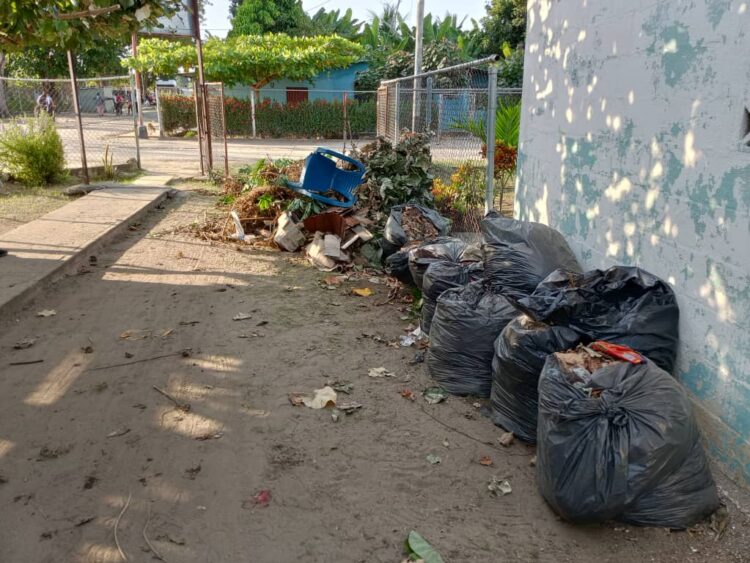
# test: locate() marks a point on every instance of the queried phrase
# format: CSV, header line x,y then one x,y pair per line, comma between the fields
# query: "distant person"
x,y
118,104
44,103
99,104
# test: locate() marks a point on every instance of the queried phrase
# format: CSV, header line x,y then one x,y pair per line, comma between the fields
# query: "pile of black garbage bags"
x,y
620,442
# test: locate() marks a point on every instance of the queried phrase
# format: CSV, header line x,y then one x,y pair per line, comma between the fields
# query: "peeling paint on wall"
x,y
630,147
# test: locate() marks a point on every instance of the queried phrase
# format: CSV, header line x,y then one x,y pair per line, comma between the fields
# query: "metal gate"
x,y
212,131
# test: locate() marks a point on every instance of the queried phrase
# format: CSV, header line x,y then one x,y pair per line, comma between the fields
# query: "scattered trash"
x,y
411,222
506,439
418,549
476,405
485,460
418,358
443,249
407,340
167,332
333,281
408,394
441,276
136,334
262,498
434,395
363,291
121,432
46,313
316,253
380,372
239,231
24,344
320,399
349,408
499,487
25,363
288,235
342,386
335,414
532,461
433,459
242,317
446,443
209,436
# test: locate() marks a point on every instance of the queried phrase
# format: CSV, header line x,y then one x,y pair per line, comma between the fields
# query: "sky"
x,y
217,15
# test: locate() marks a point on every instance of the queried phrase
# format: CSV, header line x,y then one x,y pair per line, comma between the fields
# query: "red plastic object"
x,y
617,351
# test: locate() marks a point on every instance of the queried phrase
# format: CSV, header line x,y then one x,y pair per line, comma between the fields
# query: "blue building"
x,y
328,85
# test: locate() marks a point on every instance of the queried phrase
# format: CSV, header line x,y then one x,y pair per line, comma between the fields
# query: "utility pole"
x,y
142,131
417,64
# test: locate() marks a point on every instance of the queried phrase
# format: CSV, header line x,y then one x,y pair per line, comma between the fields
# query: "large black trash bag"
x,y
630,454
443,248
394,232
520,254
624,305
466,323
442,276
520,353
397,266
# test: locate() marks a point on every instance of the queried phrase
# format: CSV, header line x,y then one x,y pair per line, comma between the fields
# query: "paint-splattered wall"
x,y
631,146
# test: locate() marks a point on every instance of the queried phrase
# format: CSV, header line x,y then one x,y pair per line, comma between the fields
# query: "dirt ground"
x,y
92,455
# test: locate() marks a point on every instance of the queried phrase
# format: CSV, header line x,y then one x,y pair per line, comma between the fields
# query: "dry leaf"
x,y
242,317
363,291
380,372
485,460
408,394
136,334
321,398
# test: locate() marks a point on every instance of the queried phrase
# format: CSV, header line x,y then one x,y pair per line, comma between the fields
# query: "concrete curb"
x,y
25,298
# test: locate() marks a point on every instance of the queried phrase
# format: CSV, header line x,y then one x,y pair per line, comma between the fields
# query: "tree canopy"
x,y
256,17
102,59
505,22
255,60
74,24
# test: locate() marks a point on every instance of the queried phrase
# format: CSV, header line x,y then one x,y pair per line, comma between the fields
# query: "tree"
x,y
102,59
254,60
333,23
505,22
256,17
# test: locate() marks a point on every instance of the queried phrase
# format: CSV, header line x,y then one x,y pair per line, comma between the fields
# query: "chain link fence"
x,y
107,107
458,107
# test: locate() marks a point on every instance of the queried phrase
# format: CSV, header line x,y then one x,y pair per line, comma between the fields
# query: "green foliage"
x,y
264,202
329,23
304,208
31,151
401,173
255,60
312,119
102,59
70,24
419,549
435,55
510,70
108,166
505,22
256,17
507,124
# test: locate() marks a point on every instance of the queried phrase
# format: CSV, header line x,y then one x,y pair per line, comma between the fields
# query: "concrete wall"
x,y
630,146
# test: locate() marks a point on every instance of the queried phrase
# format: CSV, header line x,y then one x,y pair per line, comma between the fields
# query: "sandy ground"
x,y
89,447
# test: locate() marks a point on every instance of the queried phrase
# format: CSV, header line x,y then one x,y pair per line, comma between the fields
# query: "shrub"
x,y
32,151
308,119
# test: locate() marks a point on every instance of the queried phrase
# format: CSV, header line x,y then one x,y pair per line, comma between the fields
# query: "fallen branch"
x,y
117,523
26,363
181,406
180,353
145,537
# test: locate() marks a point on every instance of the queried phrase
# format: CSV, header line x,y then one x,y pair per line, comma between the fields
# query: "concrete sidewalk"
x,y
41,251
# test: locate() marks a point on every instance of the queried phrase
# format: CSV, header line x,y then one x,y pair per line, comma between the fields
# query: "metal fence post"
x,y
396,112
159,116
77,106
490,142
133,94
428,101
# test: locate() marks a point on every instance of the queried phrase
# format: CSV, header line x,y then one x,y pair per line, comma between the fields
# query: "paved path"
x,y
44,249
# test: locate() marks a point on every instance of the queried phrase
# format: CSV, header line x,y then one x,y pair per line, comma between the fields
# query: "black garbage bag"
x,y
397,266
520,353
466,323
621,444
443,248
520,254
624,305
395,233
441,276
